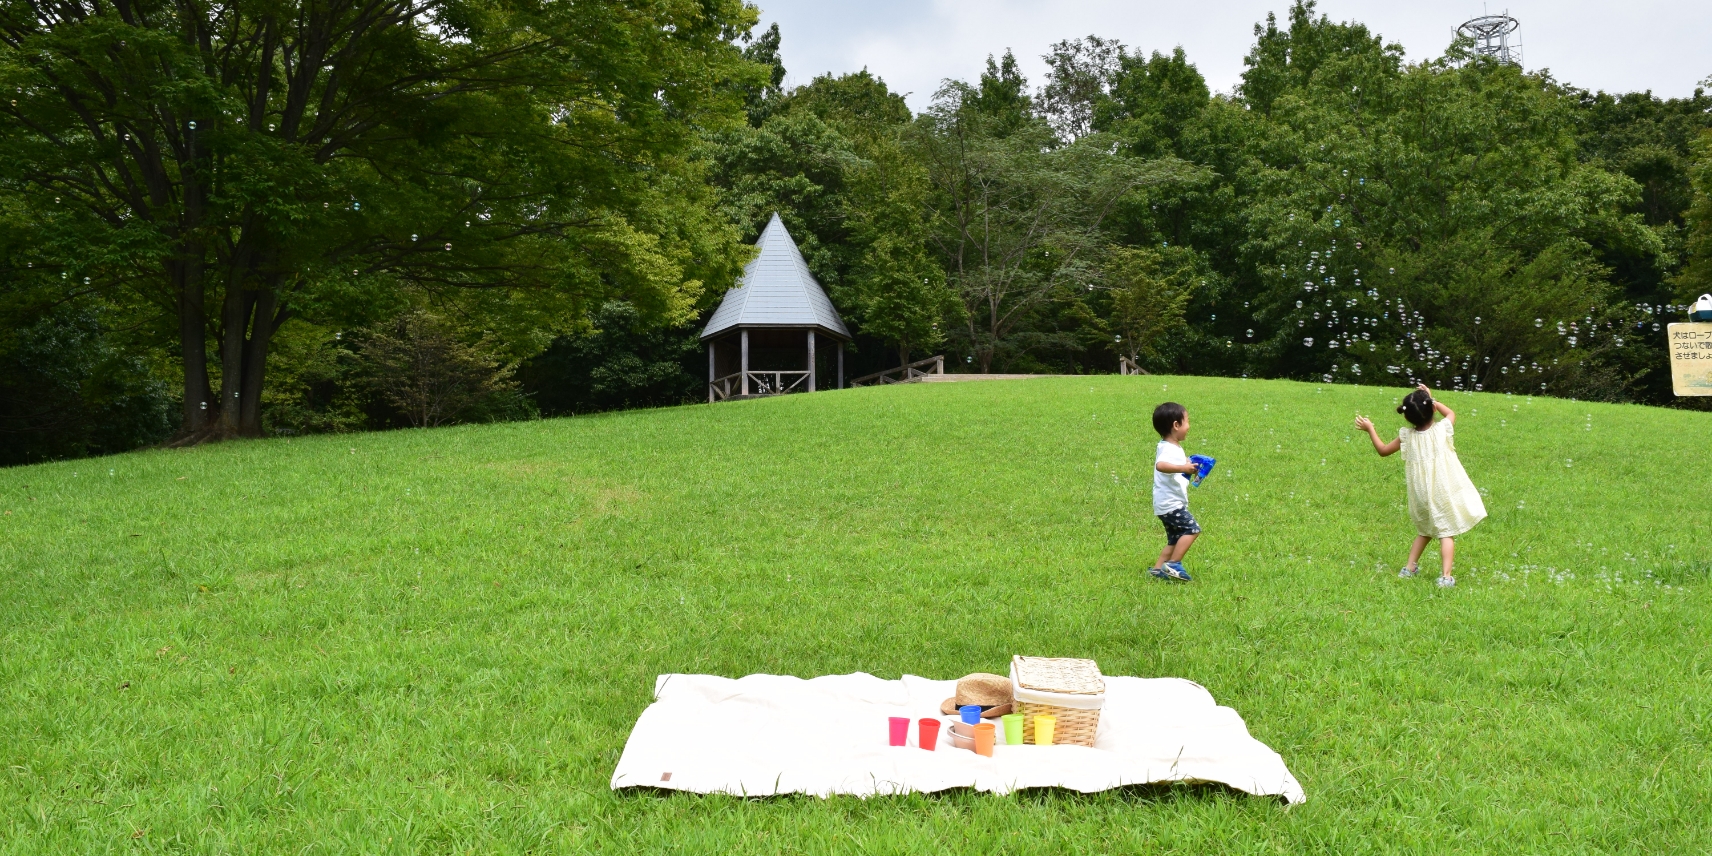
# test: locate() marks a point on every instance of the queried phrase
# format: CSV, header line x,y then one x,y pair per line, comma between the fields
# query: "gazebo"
x,y
761,340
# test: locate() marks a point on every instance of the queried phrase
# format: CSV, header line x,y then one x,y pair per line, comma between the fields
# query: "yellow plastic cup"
x,y
1043,726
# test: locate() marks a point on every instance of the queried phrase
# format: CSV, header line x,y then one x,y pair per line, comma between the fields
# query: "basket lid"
x,y
1058,675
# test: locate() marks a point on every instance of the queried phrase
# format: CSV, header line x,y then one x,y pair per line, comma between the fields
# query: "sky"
x,y
1657,45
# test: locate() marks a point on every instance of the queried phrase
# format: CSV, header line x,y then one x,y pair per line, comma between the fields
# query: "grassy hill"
x,y
436,641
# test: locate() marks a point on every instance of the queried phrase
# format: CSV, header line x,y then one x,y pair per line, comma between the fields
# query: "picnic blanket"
x,y
763,735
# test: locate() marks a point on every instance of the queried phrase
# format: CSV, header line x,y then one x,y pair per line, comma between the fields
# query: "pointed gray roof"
x,y
776,291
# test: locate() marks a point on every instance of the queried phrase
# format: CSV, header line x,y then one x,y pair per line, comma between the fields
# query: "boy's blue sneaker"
x,y
1174,571
1160,573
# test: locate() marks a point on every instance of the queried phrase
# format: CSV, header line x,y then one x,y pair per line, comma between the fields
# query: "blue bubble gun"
x,y
1204,466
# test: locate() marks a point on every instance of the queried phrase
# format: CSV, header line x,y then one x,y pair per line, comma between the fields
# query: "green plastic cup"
x,y
1013,729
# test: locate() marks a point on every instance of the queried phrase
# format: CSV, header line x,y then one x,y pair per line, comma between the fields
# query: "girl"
x,y
1443,503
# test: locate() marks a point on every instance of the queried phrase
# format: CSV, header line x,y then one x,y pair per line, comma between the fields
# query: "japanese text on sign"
x,y
1690,358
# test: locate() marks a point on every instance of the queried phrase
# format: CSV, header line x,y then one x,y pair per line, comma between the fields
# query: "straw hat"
x,y
991,692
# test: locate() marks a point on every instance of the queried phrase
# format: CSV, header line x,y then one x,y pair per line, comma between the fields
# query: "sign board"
x,y
1690,358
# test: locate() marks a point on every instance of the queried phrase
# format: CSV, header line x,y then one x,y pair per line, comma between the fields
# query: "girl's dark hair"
x,y
1417,407
1166,416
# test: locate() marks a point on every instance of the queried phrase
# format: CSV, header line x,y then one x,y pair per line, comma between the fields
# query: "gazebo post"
x,y
840,364
811,360
710,371
744,367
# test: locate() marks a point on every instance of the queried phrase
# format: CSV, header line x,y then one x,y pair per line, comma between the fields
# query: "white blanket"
x,y
769,734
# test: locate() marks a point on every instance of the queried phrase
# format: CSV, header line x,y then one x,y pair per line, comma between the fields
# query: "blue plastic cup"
x,y
971,714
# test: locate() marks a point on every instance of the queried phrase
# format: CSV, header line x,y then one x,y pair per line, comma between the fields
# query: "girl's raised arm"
x,y
1384,449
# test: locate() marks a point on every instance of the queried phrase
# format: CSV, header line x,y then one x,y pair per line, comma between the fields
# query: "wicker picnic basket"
x,y
1070,690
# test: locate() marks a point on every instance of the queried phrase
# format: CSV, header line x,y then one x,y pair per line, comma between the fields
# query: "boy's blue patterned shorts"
x,y
1179,523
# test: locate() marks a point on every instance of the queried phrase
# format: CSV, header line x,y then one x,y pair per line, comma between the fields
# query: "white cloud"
x,y
1641,44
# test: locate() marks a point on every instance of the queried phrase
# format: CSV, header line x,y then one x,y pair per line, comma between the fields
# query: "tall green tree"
x,y
1416,220
829,156
238,165
1696,276
1018,218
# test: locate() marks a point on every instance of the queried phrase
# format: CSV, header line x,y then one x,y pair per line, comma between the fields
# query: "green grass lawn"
x,y
437,641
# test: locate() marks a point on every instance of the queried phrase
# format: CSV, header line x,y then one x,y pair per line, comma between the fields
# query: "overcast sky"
x,y
1661,45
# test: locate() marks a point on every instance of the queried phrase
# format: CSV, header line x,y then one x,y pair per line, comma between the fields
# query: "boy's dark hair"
x,y
1417,407
1166,416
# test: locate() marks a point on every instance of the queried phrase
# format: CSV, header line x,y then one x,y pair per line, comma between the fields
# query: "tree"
x,y
238,165
418,365
1079,71
829,157
619,362
1015,215
1417,220
1696,276
1149,299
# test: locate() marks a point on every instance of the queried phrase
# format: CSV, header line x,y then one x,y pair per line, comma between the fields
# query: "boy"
x,y
1171,490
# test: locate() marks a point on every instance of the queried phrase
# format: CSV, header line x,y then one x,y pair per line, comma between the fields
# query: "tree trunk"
x,y
193,342
262,325
234,321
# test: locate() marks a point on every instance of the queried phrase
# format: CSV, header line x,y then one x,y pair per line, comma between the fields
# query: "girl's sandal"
x,y
1408,571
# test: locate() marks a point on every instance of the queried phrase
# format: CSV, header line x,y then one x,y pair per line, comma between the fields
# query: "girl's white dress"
x,y
1442,501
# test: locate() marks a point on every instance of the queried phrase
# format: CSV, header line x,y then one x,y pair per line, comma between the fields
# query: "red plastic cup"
x,y
900,730
928,737
984,734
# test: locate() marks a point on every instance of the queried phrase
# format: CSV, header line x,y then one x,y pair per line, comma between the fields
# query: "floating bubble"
x,y
1308,342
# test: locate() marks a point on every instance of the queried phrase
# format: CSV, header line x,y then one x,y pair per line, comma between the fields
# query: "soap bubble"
x,y
1308,342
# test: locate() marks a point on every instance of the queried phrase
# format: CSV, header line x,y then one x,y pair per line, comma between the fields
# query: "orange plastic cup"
x,y
984,734
1043,726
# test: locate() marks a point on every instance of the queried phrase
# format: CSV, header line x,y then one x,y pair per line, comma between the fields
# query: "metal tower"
x,y
1491,35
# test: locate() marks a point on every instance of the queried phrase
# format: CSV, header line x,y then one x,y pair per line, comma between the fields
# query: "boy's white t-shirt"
x,y
1170,490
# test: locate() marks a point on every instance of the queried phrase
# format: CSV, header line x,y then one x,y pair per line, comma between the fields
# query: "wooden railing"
x,y
723,388
760,383
1128,366
903,374
777,383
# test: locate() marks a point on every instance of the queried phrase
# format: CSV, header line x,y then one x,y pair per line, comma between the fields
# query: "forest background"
x,y
273,219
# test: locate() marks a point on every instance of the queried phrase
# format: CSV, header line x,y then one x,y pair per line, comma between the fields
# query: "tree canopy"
x,y
228,220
